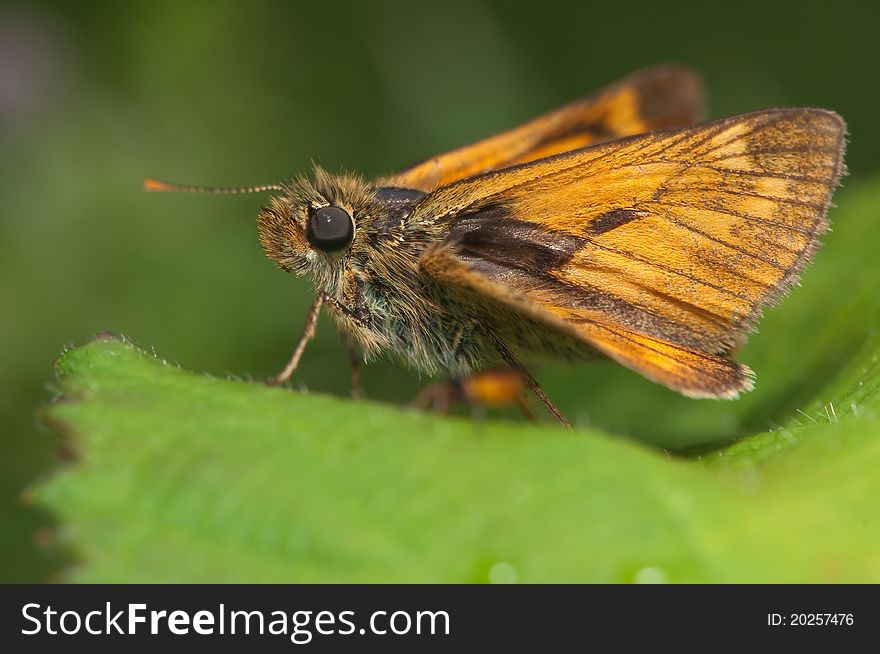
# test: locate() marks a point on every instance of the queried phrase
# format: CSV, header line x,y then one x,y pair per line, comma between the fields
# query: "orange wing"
x,y
658,250
657,98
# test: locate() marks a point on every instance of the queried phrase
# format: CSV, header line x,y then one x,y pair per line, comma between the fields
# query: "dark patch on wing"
x,y
493,234
611,220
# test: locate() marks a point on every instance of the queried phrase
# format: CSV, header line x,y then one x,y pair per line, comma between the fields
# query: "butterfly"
x,y
617,225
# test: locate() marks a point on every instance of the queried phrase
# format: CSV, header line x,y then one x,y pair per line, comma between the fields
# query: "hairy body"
x,y
377,291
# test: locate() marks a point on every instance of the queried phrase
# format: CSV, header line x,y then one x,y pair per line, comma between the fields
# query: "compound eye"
x,y
330,229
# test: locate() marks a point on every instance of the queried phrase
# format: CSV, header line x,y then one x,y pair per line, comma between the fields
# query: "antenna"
x,y
157,186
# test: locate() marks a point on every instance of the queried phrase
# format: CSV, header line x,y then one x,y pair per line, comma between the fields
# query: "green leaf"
x,y
184,477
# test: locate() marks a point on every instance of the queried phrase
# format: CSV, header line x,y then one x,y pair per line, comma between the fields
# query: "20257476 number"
x,y
810,619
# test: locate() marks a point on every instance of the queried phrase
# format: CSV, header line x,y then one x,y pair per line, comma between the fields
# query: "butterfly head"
x,y
315,222
323,224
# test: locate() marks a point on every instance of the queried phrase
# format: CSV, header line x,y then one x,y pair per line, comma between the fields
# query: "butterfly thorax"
x,y
376,291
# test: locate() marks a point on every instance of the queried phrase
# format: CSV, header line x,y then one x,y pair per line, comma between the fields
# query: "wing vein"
x,y
779,150
751,194
721,241
674,271
746,173
739,214
647,347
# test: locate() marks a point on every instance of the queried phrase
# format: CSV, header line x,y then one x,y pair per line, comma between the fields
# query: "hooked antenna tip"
x,y
154,185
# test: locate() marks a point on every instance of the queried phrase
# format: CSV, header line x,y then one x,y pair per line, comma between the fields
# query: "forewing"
x,y
693,373
680,237
652,99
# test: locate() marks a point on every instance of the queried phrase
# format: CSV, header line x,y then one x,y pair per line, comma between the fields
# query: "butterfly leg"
x,y
308,334
436,397
355,361
490,388
514,363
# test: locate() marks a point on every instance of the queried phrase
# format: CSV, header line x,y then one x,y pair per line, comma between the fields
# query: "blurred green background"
x,y
96,96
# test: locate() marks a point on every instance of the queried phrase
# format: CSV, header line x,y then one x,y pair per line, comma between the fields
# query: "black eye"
x,y
330,229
